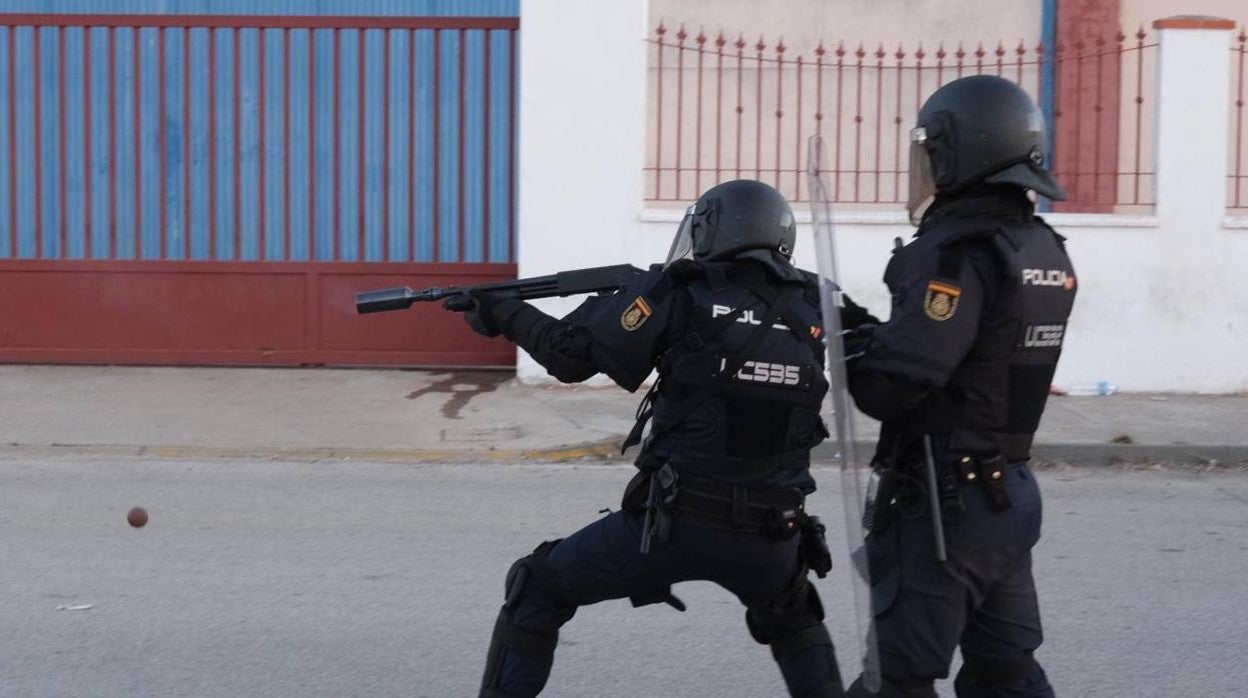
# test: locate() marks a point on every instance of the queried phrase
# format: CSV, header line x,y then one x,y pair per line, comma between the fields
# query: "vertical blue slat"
x,y
249,135
373,143
124,134
325,163
299,161
25,172
175,231
25,91
49,150
197,217
274,144
6,128
348,167
448,155
474,146
101,203
75,138
400,130
150,232
500,142
225,145
426,158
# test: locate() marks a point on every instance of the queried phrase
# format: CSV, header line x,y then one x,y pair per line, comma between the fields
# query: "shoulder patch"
x,y
635,315
941,301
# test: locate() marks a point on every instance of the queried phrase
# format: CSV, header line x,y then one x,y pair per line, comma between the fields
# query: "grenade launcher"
x,y
564,283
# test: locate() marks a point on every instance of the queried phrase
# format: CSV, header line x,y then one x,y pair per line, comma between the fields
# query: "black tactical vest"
x,y
993,401
739,393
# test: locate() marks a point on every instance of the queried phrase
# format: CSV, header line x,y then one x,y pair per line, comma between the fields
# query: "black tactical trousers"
x,y
983,599
601,561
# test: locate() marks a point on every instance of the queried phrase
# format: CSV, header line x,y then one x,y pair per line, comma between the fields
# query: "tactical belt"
x,y
772,512
989,473
967,469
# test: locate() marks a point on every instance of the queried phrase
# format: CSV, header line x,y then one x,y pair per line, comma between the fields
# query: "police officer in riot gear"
x,y
963,366
734,331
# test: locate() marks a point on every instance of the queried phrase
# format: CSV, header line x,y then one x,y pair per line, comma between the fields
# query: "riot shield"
x,y
854,472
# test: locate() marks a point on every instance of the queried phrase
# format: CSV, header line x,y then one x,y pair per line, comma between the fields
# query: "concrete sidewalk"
x,y
312,414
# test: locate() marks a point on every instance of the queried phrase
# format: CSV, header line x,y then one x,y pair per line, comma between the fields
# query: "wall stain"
x,y
470,383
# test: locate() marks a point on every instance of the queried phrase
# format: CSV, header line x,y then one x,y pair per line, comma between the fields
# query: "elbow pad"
x,y
552,343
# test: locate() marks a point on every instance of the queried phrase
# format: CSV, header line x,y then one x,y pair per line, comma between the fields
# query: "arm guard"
x,y
560,346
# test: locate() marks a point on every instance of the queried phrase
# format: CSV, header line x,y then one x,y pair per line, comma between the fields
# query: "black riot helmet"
x,y
978,129
733,218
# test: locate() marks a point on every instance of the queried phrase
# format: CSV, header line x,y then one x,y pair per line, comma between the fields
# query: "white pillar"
x,y
1160,307
1192,120
581,138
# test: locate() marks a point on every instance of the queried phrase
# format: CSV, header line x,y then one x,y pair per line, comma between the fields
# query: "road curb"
x,y
593,451
1096,454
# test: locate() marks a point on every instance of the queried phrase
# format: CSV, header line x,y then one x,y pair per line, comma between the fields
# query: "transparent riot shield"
x,y
854,472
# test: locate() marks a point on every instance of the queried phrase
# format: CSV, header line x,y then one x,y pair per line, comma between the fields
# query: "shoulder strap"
x,y
793,321
777,302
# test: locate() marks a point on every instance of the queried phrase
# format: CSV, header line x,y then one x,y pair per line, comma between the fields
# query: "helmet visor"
x,y
682,244
922,181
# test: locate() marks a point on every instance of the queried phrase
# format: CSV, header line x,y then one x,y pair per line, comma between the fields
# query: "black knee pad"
x,y
532,573
980,676
914,688
792,624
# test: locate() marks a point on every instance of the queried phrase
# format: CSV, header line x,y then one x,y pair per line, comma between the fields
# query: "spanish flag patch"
x,y
941,301
635,315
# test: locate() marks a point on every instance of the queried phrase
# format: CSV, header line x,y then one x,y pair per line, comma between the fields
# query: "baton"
x,y
933,497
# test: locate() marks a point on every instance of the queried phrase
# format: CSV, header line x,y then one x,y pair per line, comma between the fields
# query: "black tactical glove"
x,y
478,309
854,316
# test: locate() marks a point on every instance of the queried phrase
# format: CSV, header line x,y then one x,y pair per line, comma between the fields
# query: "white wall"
x,y
581,134
1163,300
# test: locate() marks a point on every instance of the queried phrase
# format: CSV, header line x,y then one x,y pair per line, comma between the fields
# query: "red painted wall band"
x,y
1194,22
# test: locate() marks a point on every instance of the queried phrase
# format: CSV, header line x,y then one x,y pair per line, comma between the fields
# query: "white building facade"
x,y
1163,294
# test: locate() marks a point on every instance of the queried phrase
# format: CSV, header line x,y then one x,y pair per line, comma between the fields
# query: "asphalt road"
x,y
281,579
